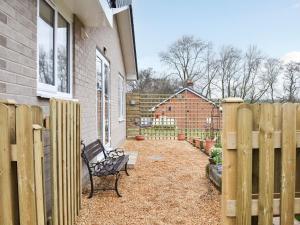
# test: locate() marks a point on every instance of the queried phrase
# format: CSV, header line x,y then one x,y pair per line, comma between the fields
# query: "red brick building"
x,y
189,110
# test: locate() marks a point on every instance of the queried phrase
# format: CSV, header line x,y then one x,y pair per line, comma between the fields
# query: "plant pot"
x,y
209,144
139,137
181,137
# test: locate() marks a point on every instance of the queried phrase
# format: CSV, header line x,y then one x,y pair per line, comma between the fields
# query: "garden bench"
x,y
114,161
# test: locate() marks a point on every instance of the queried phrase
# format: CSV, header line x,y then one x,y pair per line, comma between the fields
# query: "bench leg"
x,y
92,187
126,169
116,184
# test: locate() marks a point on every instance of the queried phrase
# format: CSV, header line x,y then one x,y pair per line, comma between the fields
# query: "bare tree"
x,y
150,82
210,72
272,70
291,81
184,58
228,67
250,84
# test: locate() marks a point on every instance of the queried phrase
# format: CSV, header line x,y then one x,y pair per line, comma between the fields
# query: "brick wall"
x,y
18,52
189,111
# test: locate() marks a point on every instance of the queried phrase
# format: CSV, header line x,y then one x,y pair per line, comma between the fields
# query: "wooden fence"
x,y
23,197
164,116
66,161
261,164
21,165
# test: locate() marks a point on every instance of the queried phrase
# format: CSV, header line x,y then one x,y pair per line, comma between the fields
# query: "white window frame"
x,y
121,97
46,90
107,63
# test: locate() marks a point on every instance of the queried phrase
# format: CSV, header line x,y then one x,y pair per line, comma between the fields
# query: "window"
x,y
53,31
121,97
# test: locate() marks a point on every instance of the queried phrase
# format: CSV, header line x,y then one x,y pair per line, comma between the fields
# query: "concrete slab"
x,y
132,159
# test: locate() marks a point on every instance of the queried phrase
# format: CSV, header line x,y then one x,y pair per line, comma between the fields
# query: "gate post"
x,y
229,171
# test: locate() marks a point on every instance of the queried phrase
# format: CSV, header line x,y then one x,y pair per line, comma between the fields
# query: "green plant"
x,y
216,155
218,145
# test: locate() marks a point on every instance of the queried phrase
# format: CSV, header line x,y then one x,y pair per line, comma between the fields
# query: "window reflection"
x,y
46,44
62,55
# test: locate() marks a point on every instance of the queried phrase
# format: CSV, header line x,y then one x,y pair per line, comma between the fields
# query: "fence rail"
x,y
261,173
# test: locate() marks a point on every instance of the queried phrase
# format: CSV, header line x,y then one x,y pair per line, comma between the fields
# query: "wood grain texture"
x,y
6,213
53,118
229,173
288,163
244,164
266,165
26,185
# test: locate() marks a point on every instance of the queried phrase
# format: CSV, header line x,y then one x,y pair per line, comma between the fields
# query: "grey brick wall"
x,y
18,62
85,77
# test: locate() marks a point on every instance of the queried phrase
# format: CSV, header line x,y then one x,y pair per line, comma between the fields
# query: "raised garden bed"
x,y
214,173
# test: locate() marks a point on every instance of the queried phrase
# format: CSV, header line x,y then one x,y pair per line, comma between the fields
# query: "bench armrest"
x,y
116,153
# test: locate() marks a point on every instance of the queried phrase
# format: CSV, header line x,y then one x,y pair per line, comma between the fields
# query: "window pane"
x,y
46,44
63,55
99,98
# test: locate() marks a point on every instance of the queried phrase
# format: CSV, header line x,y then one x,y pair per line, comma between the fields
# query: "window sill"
x,y
48,95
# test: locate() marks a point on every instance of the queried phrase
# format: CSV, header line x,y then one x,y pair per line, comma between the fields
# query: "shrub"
x,y
216,155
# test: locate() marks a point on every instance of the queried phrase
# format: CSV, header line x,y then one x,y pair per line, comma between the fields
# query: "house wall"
x,y
18,64
188,110
85,78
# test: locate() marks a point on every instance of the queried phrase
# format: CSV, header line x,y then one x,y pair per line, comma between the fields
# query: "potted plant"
x,y
181,136
215,156
139,137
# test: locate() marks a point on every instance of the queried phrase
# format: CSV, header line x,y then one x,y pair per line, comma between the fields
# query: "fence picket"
x,y
244,164
39,174
288,163
27,204
6,213
266,165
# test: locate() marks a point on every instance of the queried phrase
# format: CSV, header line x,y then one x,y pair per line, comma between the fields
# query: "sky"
x,y
272,25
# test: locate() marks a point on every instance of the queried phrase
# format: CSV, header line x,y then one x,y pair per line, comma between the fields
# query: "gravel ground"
x,y
167,186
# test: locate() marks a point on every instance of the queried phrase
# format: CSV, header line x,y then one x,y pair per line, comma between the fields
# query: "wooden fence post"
x,y
229,172
244,164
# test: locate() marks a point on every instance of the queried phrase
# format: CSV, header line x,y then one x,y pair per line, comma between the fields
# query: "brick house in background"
x,y
70,49
189,109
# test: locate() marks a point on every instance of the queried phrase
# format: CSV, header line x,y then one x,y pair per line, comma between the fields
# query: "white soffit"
x,y
92,13
125,28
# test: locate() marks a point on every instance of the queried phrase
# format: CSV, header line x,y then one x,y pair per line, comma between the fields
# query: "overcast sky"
x,y
272,25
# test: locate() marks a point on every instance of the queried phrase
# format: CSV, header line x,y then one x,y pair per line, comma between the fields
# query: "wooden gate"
x,y
261,163
21,165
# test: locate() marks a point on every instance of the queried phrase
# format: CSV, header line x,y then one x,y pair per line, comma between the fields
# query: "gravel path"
x,y
167,186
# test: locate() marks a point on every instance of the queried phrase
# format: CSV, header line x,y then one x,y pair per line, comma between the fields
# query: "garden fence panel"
x,y
66,163
260,156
